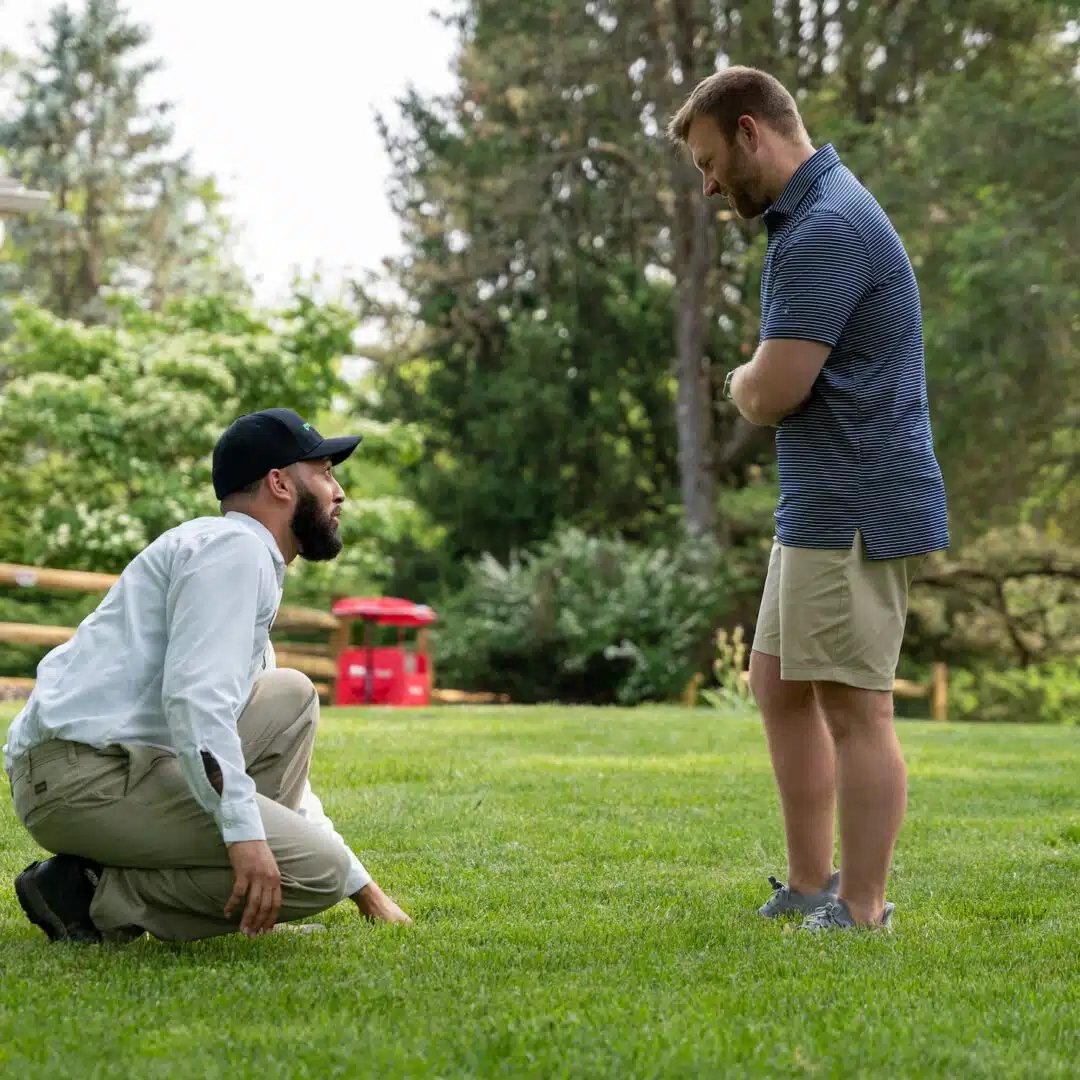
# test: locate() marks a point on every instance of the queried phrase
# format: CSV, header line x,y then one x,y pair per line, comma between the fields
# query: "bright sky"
x,y
278,100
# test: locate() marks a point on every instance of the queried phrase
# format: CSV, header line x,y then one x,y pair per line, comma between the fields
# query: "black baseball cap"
x,y
254,444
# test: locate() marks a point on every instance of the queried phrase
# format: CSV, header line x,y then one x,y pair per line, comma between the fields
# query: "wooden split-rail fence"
x,y
315,658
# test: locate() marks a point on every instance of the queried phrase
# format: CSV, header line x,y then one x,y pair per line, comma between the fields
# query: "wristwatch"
x,y
727,384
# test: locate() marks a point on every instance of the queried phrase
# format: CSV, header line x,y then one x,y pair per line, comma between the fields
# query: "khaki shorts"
x,y
835,615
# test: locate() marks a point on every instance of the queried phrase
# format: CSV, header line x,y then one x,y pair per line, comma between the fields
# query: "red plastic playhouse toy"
x,y
384,675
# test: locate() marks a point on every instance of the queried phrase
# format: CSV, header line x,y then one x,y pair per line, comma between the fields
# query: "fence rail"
x,y
315,659
318,660
936,690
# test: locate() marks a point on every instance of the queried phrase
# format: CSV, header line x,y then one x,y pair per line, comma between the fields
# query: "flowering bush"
x,y
106,433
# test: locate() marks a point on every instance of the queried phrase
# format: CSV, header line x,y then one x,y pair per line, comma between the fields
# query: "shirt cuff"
x,y
358,876
239,822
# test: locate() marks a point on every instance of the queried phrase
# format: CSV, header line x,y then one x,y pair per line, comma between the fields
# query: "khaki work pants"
x,y
167,871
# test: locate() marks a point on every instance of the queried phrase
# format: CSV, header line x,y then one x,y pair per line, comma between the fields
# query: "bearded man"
x,y
839,372
162,756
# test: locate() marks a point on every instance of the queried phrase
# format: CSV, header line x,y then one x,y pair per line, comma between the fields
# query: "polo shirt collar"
x,y
802,180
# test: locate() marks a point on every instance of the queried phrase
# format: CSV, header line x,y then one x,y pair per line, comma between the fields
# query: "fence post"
x,y
340,639
939,691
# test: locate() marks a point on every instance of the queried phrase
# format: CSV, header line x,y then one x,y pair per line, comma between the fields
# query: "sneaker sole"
x,y
883,927
40,914
786,914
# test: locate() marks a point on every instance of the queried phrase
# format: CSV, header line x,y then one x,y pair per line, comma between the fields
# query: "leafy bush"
x,y
1047,693
584,619
107,431
1011,598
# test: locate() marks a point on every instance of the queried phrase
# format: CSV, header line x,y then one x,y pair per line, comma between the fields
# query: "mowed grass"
x,y
583,883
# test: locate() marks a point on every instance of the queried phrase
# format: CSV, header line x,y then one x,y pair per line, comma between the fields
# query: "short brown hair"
x,y
735,92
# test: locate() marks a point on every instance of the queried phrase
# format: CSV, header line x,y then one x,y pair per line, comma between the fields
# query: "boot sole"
x,y
40,914
37,911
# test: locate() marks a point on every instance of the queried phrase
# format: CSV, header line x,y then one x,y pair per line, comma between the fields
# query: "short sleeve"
x,y
819,275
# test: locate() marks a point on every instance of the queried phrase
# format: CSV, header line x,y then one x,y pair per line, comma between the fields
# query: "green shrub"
x,y
584,619
1044,693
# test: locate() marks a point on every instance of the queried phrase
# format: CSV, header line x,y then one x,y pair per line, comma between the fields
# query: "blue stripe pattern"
x,y
859,455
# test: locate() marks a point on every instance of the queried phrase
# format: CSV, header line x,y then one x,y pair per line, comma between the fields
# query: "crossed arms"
x,y
777,382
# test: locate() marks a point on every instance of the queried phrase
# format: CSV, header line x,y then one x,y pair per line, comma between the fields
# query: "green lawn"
x,y
583,882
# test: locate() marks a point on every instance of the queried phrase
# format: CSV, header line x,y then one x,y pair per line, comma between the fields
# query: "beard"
x,y
744,188
748,205
314,529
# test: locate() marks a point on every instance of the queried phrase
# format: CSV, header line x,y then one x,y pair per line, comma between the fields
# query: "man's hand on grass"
x,y
259,879
375,905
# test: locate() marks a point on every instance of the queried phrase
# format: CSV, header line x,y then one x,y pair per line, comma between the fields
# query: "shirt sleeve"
x,y
311,808
820,274
213,611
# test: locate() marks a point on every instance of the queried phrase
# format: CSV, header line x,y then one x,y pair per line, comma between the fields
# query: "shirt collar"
x,y
802,180
265,535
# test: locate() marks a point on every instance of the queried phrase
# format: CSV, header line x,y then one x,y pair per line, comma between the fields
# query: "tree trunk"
x,y
794,31
693,235
820,49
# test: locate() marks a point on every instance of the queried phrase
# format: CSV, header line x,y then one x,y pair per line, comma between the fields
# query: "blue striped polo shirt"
x,y
859,455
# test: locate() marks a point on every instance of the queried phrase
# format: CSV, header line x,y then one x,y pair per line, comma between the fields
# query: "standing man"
x,y
839,372
161,755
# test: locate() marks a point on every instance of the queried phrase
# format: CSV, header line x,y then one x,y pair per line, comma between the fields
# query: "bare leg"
x,y
872,782
804,764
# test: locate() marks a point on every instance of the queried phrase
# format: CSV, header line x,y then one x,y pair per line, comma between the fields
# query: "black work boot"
x,y
56,895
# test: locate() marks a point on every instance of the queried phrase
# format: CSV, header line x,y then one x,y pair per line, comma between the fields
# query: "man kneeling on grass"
x,y
161,755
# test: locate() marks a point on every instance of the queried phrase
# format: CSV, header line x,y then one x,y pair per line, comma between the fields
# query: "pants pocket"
x,y
44,780
141,762
67,777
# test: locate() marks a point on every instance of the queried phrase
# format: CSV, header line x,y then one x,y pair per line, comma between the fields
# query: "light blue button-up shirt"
x,y
169,659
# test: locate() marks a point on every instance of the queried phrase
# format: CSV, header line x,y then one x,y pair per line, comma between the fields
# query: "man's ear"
x,y
280,484
748,132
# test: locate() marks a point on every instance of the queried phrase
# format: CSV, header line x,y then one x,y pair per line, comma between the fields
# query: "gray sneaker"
x,y
835,915
786,901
